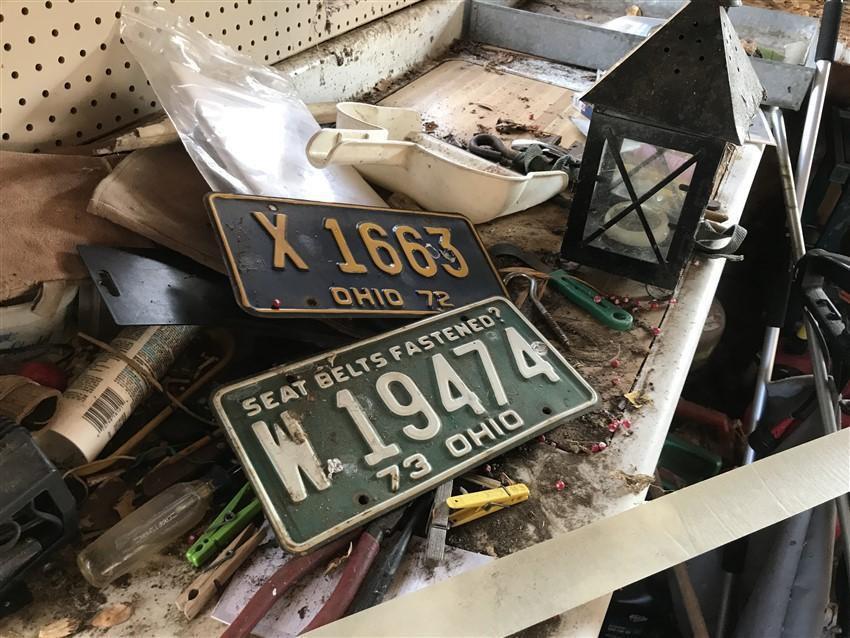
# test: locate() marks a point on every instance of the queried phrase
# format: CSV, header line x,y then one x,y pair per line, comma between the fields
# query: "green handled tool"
x,y
224,527
580,294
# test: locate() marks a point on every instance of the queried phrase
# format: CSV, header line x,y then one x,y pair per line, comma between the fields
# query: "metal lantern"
x,y
662,121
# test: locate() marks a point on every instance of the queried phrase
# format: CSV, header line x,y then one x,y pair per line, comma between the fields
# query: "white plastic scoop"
x,y
387,146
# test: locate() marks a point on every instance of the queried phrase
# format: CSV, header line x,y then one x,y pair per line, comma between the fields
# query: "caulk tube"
x,y
100,400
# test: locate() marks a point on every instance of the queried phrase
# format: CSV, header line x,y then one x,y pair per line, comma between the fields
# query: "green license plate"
x,y
334,441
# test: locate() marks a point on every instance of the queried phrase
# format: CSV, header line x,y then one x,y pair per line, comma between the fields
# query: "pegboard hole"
x,y
22,102
51,118
108,71
88,78
77,26
99,125
82,53
14,75
7,47
103,46
30,127
73,110
79,133
54,33
93,103
58,142
38,67
97,20
45,93
61,59
131,88
67,86
6,136
677,71
31,39
113,95
48,5
24,11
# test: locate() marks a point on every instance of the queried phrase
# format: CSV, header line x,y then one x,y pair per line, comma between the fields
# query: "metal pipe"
x,y
826,406
765,372
814,112
826,396
789,191
830,23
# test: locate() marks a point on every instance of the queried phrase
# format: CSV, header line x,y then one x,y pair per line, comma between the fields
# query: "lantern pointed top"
x,y
691,75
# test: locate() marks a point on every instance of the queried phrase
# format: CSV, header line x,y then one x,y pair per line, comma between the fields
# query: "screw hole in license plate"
x,y
547,410
311,301
363,499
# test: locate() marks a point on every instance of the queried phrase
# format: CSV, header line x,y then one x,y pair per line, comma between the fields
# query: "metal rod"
x,y
814,112
789,191
765,372
830,424
826,395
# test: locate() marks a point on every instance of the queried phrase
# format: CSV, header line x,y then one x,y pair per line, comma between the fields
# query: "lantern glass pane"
x,y
658,179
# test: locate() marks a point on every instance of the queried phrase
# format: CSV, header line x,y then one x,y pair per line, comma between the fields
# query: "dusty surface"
x,y
594,11
472,96
590,479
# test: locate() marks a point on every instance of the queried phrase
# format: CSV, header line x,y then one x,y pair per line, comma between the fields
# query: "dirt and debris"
x,y
635,483
506,126
430,126
112,615
59,628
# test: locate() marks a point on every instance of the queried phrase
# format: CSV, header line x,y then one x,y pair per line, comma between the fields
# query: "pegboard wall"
x,y
67,78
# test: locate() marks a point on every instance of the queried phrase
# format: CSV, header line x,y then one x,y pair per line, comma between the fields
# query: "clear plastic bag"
x,y
241,122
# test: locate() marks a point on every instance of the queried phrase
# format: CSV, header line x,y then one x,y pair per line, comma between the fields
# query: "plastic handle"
x,y
583,296
830,23
133,539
